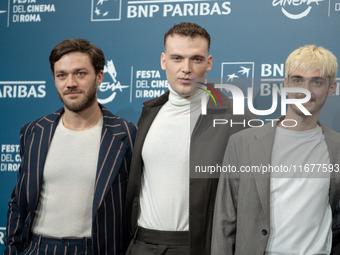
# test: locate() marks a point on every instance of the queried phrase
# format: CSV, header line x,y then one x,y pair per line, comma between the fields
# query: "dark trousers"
x,y
155,242
41,245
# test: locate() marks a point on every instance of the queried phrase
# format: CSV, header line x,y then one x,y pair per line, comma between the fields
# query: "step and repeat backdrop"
x,y
250,40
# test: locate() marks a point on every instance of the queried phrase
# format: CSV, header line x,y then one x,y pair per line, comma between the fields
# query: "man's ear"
x,y
100,77
209,63
163,61
332,89
285,82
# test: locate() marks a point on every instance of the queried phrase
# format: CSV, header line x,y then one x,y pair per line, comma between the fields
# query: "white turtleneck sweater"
x,y
164,197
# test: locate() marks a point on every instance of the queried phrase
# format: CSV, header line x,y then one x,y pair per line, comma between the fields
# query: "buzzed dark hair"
x,y
188,29
78,45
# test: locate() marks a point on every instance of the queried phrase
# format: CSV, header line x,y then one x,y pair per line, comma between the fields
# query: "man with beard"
x,y
75,164
292,207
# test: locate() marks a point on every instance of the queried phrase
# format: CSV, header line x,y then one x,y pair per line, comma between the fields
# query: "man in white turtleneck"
x,y
294,207
167,211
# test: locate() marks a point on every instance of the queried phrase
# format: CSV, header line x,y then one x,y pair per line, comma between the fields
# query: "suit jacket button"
x,y
264,232
135,204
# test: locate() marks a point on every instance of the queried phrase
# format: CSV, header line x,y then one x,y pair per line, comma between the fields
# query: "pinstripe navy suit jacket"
x,y
113,168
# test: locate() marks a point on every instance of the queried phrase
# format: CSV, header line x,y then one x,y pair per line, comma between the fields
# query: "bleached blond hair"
x,y
311,58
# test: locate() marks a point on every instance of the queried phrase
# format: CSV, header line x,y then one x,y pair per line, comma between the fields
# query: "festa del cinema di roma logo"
x,y
238,101
107,90
295,3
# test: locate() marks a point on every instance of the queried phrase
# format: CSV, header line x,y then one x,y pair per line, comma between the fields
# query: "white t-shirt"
x,y
300,214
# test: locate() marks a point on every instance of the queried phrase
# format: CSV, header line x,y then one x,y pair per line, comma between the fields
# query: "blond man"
x,y
278,212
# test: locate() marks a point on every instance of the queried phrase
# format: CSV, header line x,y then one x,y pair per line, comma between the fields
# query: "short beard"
x,y
89,100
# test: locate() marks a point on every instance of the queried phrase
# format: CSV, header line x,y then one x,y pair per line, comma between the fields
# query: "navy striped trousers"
x,y
41,245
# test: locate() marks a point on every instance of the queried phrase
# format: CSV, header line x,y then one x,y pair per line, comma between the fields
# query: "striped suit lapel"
x,y
111,155
39,142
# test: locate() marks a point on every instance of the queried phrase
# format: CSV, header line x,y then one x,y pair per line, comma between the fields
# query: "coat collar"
x,y
109,121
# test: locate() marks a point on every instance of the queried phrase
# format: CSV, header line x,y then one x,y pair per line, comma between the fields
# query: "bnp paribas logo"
x,y
106,10
240,74
296,9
